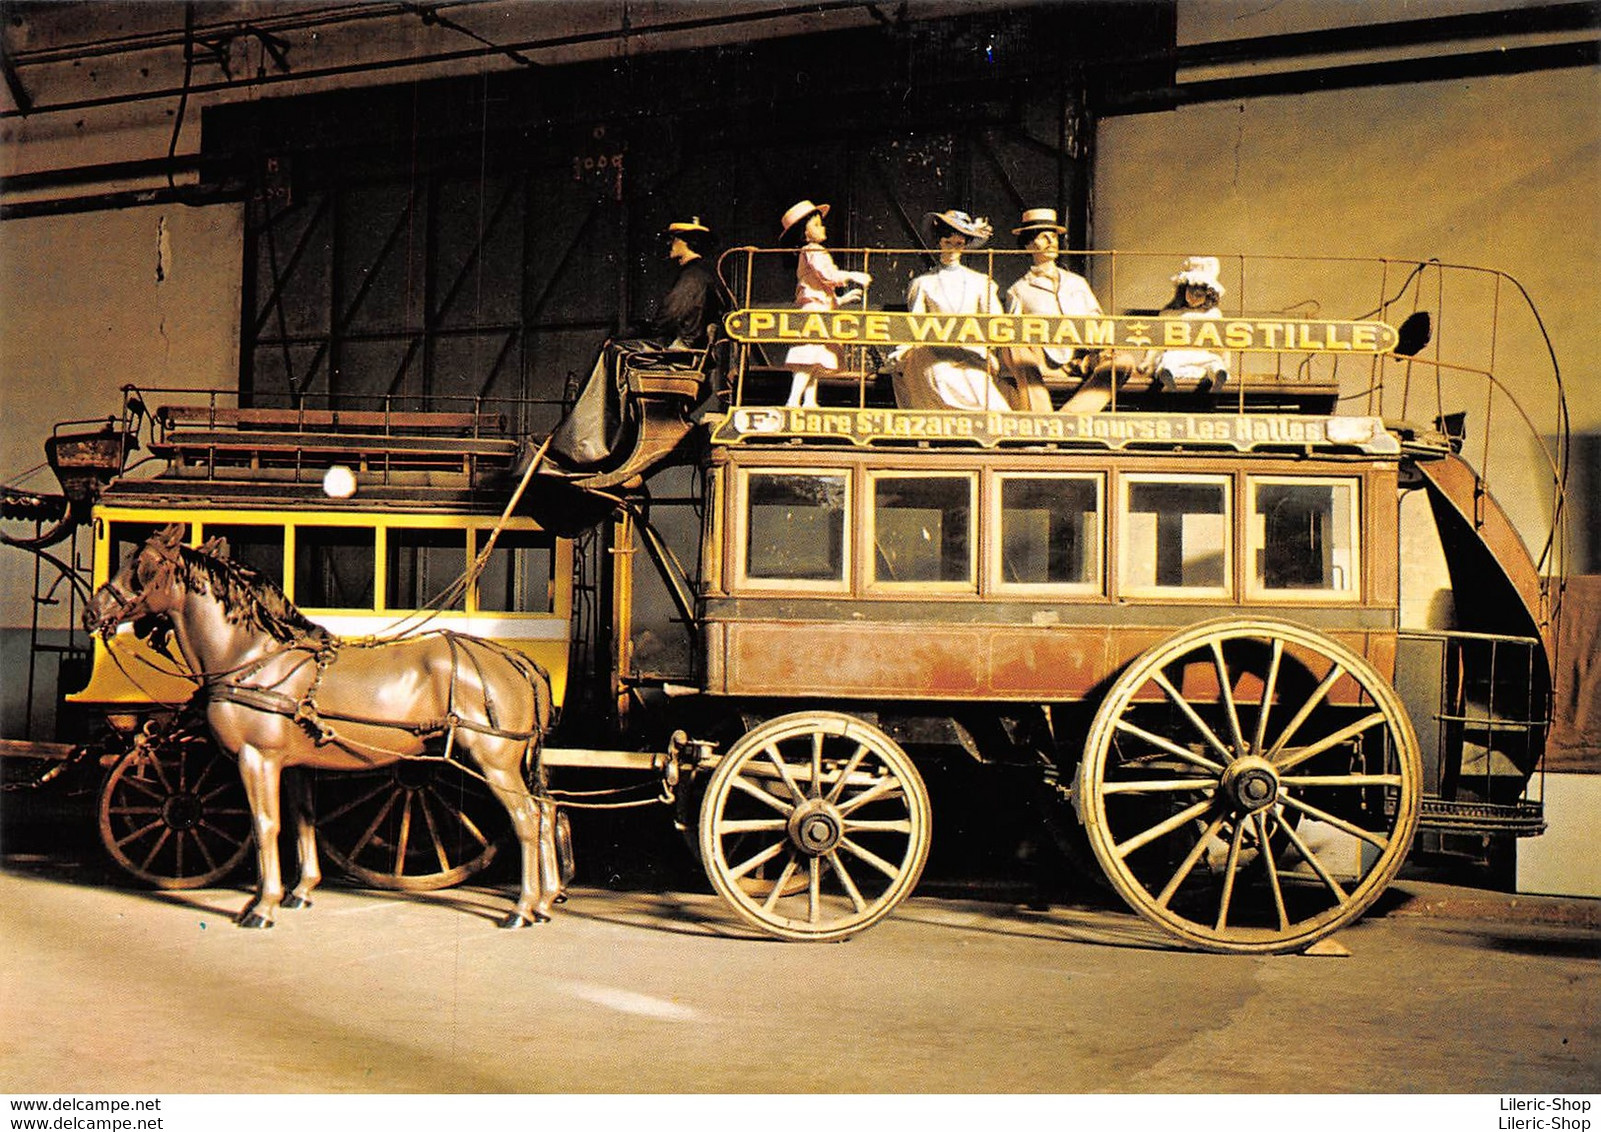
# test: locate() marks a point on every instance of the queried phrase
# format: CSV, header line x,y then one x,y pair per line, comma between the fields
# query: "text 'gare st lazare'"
x,y
895,328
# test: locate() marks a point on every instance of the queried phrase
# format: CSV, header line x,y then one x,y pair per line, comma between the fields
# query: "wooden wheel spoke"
x,y
755,790
849,885
433,833
1265,852
1315,863
817,765
1377,840
1160,679
134,835
1269,686
1158,785
166,835
884,789
1163,828
386,784
752,825
814,890
228,837
870,858
205,850
1172,748
1350,731
1187,865
141,786
1304,780
756,861
845,774
1231,869
781,884
372,829
1305,712
1225,684
123,811
403,841
784,771
896,825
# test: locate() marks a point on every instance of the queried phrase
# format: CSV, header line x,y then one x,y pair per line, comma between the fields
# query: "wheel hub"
x,y
182,811
1250,784
815,828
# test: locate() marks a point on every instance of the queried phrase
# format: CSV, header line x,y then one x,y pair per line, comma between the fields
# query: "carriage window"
x,y
922,528
1050,531
1303,536
422,566
257,545
1175,534
519,576
334,567
795,526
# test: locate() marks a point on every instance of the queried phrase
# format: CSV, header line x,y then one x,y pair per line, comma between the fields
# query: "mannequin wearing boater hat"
x,y
950,377
1048,289
817,288
695,301
1197,294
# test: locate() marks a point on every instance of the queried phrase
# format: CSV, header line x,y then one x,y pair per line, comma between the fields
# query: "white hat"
x,y
1036,219
975,228
799,213
1200,271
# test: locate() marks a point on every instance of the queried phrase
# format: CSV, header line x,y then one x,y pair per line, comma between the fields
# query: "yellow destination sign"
x,y
1242,432
1127,332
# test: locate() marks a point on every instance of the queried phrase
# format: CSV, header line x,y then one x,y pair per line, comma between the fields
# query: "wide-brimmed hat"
x,y
975,228
798,214
1200,271
1039,219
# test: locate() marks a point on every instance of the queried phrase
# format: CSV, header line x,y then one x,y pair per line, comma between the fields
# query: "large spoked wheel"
x,y
1250,786
418,825
173,811
814,826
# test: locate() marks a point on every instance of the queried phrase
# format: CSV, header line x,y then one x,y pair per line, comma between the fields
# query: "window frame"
x,y
995,532
1124,587
743,582
869,526
1255,542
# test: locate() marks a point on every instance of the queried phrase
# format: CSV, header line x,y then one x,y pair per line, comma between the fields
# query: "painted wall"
x,y
93,302
1499,172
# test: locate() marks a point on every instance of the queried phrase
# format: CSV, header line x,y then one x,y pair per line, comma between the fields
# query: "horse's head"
x,y
145,587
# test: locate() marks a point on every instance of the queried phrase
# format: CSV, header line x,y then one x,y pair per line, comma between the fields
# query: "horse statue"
x,y
279,691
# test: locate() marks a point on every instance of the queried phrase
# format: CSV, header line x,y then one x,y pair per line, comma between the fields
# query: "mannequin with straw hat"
x,y
1047,289
950,377
817,288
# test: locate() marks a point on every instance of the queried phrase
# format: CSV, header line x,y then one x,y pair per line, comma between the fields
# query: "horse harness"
x,y
317,723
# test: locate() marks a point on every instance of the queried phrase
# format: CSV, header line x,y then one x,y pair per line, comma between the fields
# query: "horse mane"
x,y
248,597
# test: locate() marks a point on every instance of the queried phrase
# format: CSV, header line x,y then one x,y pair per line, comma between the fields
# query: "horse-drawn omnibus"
x,y
1252,637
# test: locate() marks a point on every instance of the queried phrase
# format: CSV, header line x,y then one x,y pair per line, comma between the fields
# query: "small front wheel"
x,y
814,826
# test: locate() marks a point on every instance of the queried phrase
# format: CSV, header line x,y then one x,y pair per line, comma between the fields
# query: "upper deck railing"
x,y
1442,353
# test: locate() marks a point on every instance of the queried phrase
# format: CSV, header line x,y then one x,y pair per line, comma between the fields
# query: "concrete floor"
x,y
109,989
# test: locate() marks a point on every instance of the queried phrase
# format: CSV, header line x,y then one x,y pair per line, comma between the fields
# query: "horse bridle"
x,y
132,606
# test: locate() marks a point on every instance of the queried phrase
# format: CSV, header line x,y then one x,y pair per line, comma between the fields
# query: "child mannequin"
x,y
1197,296
817,284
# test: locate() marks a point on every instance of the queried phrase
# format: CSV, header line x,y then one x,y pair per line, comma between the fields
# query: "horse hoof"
x,y
293,901
254,920
518,920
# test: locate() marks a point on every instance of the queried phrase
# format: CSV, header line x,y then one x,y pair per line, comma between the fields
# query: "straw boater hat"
x,y
975,228
1039,219
799,214
1200,271
692,226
